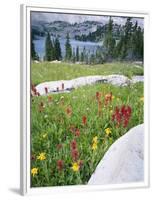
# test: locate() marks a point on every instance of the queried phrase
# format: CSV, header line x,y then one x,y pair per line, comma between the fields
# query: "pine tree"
x,y
83,55
57,49
124,47
77,53
68,48
34,55
49,50
109,41
74,56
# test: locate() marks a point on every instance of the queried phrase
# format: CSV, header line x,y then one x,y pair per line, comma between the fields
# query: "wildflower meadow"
x,y
70,132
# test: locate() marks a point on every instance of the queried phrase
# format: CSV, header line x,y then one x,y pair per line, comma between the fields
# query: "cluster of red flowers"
x,y
60,164
122,115
98,98
84,120
74,150
34,91
75,130
108,98
69,111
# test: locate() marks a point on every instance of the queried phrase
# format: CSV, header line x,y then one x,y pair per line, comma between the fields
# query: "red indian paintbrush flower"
x,y
122,115
69,111
33,90
77,132
75,154
73,144
60,165
98,95
84,120
46,90
62,86
72,129
108,98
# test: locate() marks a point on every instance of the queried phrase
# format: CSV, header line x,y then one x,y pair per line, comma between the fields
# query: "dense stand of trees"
x,y
52,49
120,42
126,43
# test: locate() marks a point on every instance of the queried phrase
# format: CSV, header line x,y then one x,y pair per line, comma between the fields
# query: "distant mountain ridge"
x,y
61,28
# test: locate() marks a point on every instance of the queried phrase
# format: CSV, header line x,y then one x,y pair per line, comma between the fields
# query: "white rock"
x,y
136,79
55,61
36,61
118,80
124,161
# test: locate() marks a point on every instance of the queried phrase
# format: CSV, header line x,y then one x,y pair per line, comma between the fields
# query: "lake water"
x,y
90,46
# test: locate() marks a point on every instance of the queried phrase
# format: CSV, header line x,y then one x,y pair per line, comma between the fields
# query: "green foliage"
x,y
49,50
57,49
52,49
130,45
109,41
34,55
77,53
120,42
68,49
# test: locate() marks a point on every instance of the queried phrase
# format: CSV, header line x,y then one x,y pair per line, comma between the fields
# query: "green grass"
x,y
54,122
46,71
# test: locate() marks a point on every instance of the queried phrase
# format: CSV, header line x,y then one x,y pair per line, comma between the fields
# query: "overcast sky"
x,y
71,18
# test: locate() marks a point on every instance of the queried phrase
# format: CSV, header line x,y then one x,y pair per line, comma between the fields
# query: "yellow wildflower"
x,y
44,135
113,97
95,139
142,99
94,146
118,99
34,171
107,131
75,167
41,156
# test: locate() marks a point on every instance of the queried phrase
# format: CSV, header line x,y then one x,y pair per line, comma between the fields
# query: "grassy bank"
x,y
46,71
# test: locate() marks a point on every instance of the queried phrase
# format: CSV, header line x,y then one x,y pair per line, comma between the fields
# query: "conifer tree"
x,y
57,49
77,53
34,55
49,50
109,41
68,48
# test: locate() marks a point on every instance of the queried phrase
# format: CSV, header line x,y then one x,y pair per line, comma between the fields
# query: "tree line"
x,y
130,43
128,46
